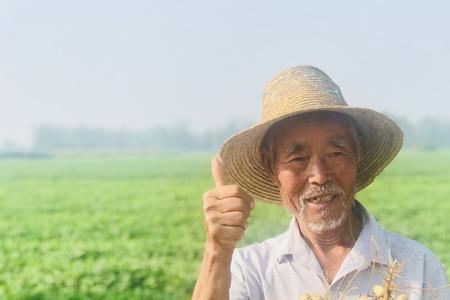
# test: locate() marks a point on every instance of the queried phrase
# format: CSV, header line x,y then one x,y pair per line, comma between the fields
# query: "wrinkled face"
x,y
314,165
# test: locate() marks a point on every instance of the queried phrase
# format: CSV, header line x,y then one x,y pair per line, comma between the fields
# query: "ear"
x,y
268,165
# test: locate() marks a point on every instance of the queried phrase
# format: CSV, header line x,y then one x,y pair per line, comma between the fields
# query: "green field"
x,y
131,227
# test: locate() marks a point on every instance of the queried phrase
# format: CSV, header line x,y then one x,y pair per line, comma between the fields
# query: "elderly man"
x,y
311,153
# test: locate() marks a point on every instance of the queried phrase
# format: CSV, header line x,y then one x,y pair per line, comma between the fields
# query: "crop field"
x,y
131,227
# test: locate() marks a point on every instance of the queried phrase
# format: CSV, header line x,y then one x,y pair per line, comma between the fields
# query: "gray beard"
x,y
324,223
326,220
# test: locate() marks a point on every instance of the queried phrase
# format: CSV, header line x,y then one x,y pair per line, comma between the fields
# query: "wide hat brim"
x,y
240,154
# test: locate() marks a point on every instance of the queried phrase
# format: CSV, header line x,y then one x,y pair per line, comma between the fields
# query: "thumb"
x,y
218,171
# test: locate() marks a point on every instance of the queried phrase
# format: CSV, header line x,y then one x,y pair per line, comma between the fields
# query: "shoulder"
x,y
420,262
250,264
262,254
402,245
265,248
413,253
396,246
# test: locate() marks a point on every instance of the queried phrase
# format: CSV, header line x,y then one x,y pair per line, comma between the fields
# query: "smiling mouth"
x,y
321,198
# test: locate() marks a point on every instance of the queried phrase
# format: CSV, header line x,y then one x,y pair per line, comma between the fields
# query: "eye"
x,y
336,154
299,158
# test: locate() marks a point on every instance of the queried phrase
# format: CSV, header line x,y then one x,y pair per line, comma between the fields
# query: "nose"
x,y
318,171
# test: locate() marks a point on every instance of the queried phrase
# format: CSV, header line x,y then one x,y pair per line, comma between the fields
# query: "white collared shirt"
x,y
284,267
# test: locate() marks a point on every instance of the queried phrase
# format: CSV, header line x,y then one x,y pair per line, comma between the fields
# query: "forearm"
x,y
226,209
215,277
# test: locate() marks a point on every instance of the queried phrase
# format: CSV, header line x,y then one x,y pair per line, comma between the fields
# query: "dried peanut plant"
x,y
386,291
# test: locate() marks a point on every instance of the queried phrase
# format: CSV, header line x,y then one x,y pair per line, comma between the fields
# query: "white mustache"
x,y
322,193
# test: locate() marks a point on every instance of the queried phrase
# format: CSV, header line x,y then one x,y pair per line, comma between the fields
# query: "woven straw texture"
x,y
300,90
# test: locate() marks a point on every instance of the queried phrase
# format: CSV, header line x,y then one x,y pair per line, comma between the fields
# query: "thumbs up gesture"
x,y
226,209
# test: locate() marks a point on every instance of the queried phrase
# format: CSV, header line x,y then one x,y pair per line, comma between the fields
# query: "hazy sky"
x,y
137,64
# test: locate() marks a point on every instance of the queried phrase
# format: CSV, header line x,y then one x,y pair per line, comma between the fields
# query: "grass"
x,y
131,227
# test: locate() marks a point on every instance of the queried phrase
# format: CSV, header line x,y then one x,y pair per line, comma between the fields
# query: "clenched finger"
x,y
234,218
231,191
234,204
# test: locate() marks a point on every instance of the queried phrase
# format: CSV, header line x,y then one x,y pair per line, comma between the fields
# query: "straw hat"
x,y
300,90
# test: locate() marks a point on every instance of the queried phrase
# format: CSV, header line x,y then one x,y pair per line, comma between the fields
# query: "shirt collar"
x,y
370,247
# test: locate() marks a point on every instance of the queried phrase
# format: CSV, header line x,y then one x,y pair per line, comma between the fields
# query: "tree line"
x,y
426,134
179,138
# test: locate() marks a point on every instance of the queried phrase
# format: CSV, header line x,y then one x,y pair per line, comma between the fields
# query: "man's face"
x,y
315,167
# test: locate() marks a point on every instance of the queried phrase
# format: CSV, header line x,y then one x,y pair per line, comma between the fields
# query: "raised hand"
x,y
226,209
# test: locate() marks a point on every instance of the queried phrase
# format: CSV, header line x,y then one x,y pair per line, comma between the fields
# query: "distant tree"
x,y
431,134
426,134
178,138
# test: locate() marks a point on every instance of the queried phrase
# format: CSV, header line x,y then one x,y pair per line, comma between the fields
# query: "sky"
x,y
140,64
